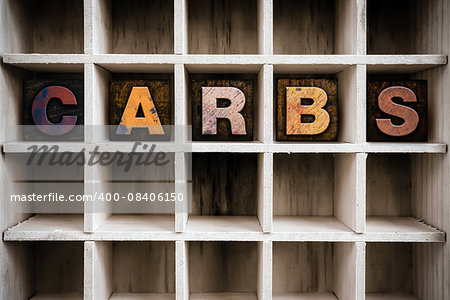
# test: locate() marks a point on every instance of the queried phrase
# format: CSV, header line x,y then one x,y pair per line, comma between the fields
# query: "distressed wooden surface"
x,y
211,112
388,185
140,101
244,83
119,93
329,86
303,27
55,109
223,267
62,262
224,184
302,267
56,26
143,267
222,27
389,268
142,26
303,185
419,88
295,111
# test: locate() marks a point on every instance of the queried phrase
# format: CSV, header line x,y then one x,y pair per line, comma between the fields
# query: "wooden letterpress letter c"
x,y
39,110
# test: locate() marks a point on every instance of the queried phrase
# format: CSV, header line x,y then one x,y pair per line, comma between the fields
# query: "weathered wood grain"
x,y
143,267
290,132
161,94
223,267
302,267
397,106
245,83
56,110
222,27
224,184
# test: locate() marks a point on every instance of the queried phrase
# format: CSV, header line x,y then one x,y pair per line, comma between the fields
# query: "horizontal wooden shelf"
x,y
142,296
317,225
61,296
223,224
45,227
305,296
389,297
142,223
224,63
250,147
405,229
223,296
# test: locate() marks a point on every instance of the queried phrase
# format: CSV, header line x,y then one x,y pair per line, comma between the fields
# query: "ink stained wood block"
x,y
53,110
306,109
222,114
140,109
397,110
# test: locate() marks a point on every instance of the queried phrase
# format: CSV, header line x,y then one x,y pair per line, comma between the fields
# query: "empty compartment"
x,y
141,198
56,270
222,27
404,26
49,193
134,270
224,192
313,270
138,26
392,271
303,27
389,184
306,192
45,26
223,267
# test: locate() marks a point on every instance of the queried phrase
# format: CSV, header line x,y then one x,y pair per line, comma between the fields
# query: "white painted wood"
x,y
347,190
223,224
346,279
360,280
264,119
142,296
389,296
264,288
182,270
180,27
347,27
376,63
60,296
182,208
223,296
265,27
102,256
347,105
305,296
352,104
252,147
133,223
320,225
265,191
